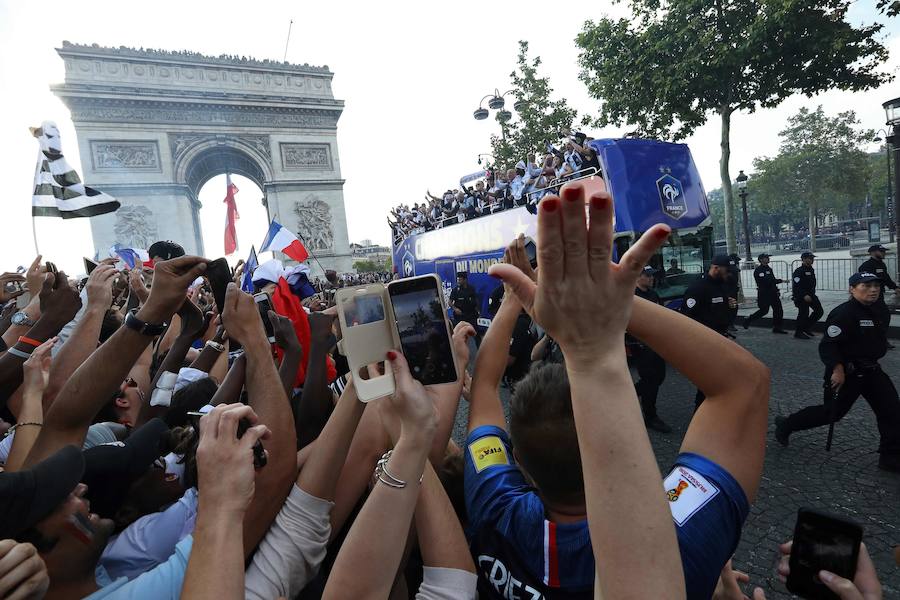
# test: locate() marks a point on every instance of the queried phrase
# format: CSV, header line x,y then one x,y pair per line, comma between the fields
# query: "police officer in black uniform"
x,y
707,301
805,299
651,368
464,303
767,295
876,265
853,343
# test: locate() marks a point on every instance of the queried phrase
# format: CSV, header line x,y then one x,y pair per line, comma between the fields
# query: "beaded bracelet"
x,y
17,425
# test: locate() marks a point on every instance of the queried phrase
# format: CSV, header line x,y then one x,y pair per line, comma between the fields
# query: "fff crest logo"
x,y
671,196
409,264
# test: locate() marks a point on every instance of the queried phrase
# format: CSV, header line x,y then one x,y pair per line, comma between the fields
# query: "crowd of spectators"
x,y
159,446
523,184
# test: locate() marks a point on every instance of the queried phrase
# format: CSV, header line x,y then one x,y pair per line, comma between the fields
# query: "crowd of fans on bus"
x,y
522,184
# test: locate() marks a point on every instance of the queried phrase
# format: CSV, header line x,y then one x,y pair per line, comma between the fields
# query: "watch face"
x,y
20,318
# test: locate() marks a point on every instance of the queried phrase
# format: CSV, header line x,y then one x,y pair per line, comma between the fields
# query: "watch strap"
x,y
151,329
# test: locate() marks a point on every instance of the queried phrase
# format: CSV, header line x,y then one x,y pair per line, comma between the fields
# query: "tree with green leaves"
x,y
820,167
540,119
673,65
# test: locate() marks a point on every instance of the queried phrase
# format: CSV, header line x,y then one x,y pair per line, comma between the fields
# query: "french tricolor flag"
x,y
280,239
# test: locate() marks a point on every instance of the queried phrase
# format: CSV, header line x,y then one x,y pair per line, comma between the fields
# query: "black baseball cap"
x,y
462,274
807,254
28,497
763,255
863,277
722,260
165,250
110,469
875,247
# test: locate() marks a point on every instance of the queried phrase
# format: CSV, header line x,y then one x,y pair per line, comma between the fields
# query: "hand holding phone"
x,y
822,542
219,275
264,304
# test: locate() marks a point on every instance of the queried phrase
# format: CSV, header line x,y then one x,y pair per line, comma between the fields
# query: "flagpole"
x,y
34,235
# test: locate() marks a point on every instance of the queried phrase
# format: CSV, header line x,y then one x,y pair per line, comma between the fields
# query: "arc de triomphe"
x,y
153,126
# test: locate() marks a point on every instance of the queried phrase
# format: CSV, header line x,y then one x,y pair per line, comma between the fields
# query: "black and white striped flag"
x,y
58,191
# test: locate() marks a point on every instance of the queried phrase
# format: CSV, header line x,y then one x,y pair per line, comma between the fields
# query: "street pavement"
x,y
845,481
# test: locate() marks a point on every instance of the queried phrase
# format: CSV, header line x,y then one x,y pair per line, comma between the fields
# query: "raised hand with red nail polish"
x,y
579,290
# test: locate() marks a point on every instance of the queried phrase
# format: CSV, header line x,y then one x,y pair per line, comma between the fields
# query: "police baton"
x,y
830,402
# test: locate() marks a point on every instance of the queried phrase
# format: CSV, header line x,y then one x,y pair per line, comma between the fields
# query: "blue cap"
x,y
863,278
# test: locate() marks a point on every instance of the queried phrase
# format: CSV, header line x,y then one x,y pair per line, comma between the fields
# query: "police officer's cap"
x,y
763,255
877,247
463,274
807,255
648,270
722,260
863,278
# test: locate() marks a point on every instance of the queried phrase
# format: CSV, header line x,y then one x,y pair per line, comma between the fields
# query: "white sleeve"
x,y
292,550
441,583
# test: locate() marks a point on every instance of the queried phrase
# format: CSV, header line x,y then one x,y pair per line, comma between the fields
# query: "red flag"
x,y
231,216
288,305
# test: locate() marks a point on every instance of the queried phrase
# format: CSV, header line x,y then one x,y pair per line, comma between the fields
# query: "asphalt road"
x,y
845,481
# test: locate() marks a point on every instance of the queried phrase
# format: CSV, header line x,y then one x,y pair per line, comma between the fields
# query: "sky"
x,y
411,73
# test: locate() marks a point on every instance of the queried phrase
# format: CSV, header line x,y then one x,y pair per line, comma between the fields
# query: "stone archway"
x,y
153,126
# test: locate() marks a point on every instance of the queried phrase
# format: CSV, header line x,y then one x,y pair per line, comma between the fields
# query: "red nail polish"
x,y
570,194
599,202
663,233
391,355
550,204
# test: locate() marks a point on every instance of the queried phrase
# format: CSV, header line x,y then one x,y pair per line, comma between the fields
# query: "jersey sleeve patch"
x,y
691,303
687,492
487,452
833,331
796,280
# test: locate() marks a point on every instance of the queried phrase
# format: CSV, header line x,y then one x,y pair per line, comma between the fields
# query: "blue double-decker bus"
x,y
650,182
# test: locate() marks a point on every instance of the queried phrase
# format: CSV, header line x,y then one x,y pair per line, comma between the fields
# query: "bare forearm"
x,y
80,345
216,567
274,482
11,366
287,370
440,535
207,359
230,389
319,476
26,435
490,363
632,539
89,388
686,345
315,404
369,557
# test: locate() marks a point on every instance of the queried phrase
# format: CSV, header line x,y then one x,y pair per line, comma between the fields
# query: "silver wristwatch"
x,y
22,318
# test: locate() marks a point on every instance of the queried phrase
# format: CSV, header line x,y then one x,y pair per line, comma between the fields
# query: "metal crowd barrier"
x,y
831,273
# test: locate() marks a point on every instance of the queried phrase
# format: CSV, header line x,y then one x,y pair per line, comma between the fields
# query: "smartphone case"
x,y
368,343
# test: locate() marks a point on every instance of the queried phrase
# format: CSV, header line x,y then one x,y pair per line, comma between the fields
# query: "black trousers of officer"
x,y
878,390
765,302
651,370
805,320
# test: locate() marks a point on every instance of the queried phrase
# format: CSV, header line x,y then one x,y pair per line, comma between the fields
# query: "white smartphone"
x,y
264,304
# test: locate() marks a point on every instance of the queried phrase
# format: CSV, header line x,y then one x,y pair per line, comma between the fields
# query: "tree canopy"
x,y
540,118
672,65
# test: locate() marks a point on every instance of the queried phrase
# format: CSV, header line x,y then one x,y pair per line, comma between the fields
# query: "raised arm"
x,y
286,338
31,416
369,557
84,337
729,428
584,301
95,381
267,398
315,404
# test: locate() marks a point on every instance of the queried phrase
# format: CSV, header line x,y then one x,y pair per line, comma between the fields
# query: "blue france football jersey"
x,y
521,554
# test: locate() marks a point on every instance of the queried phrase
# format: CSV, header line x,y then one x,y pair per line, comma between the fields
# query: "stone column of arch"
x,y
153,126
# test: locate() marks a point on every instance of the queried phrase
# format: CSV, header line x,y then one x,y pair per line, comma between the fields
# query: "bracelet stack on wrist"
x,y
384,476
17,425
21,354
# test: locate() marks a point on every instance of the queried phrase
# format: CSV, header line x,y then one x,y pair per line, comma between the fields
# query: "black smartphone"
x,y
822,542
89,265
219,275
264,304
51,268
424,328
531,252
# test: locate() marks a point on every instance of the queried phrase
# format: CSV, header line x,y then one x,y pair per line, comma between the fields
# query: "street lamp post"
x,y
892,114
741,180
890,195
497,102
